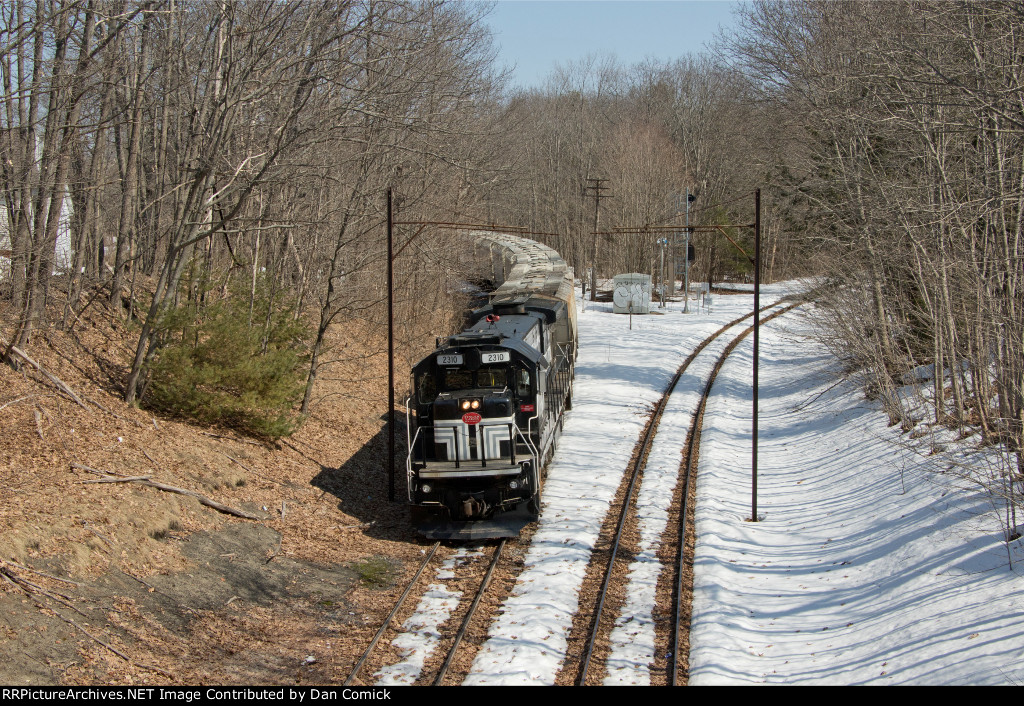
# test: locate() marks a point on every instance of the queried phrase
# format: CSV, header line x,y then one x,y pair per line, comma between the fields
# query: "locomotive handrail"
x,y
408,465
529,425
568,353
527,440
408,419
536,456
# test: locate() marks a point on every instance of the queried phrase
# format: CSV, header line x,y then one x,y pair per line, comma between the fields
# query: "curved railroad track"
x,y
681,594
591,628
613,571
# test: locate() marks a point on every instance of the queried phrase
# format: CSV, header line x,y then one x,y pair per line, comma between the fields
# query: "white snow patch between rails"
x,y
422,631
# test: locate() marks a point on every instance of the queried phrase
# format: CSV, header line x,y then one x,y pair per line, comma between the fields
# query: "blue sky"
x,y
534,35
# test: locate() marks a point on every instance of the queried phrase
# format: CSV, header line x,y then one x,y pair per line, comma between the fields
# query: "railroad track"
x,y
598,633
584,664
437,663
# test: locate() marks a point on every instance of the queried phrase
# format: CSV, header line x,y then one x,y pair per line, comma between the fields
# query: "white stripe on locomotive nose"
x,y
488,435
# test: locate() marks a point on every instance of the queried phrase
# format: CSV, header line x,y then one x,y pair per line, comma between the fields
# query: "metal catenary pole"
x,y
757,330
391,353
686,258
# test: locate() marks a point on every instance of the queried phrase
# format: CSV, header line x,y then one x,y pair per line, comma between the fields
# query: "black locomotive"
x,y
487,404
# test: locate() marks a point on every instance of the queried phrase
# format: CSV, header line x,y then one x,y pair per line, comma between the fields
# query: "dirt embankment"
x,y
124,583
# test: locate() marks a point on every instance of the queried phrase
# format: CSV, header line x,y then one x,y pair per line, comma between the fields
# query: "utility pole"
x,y
598,187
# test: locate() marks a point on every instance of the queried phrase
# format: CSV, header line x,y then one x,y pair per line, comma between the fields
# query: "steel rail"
x,y
637,468
692,445
469,615
391,616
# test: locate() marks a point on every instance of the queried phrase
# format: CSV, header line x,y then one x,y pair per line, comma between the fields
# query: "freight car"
x,y
487,405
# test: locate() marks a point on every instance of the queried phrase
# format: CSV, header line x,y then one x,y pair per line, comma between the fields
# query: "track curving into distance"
x,y
640,458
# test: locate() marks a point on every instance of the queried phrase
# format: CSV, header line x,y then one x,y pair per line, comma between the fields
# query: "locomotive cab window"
x,y
523,387
488,376
491,377
426,390
458,379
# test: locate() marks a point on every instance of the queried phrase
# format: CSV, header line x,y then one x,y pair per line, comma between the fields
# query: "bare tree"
x,y
45,70
911,117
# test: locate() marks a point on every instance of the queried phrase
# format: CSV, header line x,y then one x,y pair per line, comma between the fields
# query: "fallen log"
x,y
145,480
117,479
201,498
48,375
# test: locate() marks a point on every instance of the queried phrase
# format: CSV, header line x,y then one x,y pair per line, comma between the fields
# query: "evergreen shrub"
x,y
232,363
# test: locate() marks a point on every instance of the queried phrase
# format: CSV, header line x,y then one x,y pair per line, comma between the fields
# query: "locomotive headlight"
x,y
465,404
475,404
425,488
513,485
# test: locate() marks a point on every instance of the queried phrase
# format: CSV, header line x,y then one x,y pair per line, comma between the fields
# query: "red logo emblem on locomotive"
x,y
471,418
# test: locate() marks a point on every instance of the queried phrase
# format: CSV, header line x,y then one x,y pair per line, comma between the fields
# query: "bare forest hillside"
x,y
124,582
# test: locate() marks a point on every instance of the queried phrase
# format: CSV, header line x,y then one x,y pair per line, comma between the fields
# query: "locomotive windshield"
x,y
485,377
488,377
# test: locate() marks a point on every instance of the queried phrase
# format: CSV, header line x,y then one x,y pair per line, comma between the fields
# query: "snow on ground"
x,y
869,566
620,374
633,637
